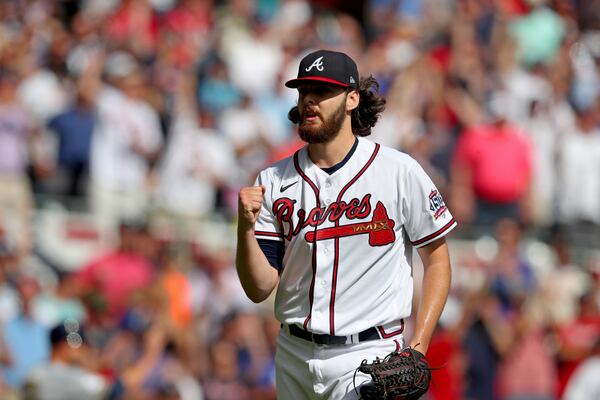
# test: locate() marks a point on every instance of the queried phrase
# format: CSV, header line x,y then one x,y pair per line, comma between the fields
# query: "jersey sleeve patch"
x,y
435,235
437,207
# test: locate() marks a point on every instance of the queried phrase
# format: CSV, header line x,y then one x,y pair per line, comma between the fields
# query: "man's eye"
x,y
322,89
318,90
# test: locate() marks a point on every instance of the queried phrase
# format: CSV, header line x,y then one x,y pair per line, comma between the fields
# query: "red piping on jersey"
x,y
336,257
385,335
271,234
434,234
314,252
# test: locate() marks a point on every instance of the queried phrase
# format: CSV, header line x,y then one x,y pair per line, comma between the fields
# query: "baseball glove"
x,y
400,375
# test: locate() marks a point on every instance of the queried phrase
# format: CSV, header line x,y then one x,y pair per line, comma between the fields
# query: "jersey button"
x,y
325,250
323,283
328,184
327,201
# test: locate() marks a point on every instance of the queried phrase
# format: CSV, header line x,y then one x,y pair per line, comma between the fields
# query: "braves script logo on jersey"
x,y
436,204
380,228
318,64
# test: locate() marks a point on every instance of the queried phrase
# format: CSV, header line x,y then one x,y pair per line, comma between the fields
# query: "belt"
x,y
323,338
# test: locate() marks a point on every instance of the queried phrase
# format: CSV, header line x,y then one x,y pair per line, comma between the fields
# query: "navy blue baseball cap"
x,y
327,66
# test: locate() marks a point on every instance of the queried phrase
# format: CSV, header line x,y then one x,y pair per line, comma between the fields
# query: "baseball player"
x,y
332,227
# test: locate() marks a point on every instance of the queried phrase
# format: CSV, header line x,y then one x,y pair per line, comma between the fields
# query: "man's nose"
x,y
309,98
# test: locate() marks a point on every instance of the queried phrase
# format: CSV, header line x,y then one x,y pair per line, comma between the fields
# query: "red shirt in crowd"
x,y
115,277
448,362
499,160
578,337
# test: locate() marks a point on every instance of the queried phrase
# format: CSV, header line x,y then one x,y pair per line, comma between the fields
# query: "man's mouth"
x,y
309,116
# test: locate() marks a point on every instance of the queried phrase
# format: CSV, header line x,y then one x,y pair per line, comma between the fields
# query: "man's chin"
x,y
311,136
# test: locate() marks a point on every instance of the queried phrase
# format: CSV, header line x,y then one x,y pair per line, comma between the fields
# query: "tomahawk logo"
x,y
318,64
380,229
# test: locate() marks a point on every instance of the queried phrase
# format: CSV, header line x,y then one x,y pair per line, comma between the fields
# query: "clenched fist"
x,y
249,202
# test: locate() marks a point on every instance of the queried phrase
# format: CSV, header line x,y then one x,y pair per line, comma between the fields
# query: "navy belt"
x,y
323,338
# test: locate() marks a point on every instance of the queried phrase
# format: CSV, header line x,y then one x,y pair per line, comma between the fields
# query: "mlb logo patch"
x,y
436,204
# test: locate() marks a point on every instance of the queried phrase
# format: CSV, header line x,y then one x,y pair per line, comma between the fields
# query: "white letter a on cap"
x,y
318,64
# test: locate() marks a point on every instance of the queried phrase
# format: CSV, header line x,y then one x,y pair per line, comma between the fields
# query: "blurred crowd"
x,y
149,115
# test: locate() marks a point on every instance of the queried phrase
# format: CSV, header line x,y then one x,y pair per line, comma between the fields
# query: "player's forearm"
x,y
436,285
257,276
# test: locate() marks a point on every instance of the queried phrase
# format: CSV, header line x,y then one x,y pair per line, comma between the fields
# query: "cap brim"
x,y
294,83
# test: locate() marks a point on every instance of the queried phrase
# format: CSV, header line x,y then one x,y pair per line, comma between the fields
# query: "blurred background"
x,y
128,126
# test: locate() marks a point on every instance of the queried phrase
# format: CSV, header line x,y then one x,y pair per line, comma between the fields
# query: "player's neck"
x,y
326,155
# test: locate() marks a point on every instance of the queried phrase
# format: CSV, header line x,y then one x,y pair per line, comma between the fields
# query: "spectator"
x,y
134,25
487,338
26,338
511,275
107,282
492,172
154,367
576,339
542,45
545,122
197,166
61,303
16,142
564,285
127,139
224,383
528,371
579,150
254,59
67,374
216,93
9,297
73,129
584,383
246,128
445,349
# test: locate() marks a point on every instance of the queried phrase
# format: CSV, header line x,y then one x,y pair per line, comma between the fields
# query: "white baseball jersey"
x,y
347,236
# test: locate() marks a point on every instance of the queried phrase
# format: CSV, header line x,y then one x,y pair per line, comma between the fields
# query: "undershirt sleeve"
x,y
273,250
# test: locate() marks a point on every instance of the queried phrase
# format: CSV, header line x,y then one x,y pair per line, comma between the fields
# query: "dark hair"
x,y
365,116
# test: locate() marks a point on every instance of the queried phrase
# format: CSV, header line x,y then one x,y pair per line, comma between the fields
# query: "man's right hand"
x,y
249,202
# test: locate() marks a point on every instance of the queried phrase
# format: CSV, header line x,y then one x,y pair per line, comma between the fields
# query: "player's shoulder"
x,y
392,157
280,169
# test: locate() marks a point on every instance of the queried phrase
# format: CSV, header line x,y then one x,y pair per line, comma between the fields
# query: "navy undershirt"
x,y
273,249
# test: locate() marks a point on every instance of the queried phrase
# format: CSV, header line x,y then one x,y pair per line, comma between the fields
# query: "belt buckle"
x,y
352,339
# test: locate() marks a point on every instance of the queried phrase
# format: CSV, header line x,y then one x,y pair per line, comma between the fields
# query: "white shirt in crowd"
x,y
579,169
194,160
123,122
584,383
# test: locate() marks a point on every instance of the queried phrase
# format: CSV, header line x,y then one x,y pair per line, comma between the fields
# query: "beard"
x,y
328,130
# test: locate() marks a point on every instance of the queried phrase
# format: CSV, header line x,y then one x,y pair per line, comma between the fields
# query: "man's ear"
x,y
352,100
